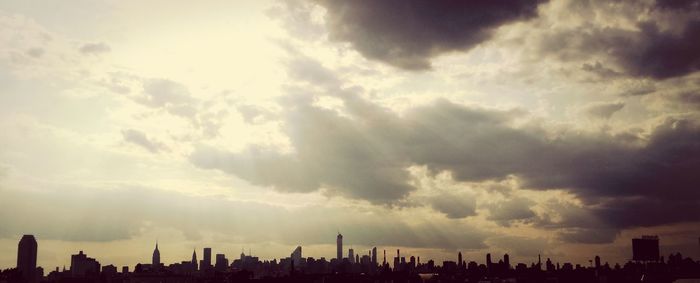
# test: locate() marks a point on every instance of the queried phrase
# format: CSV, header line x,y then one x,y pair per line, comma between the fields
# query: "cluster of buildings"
x,y
646,266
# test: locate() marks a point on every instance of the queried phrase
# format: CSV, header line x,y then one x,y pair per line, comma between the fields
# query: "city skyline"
x,y
647,262
560,128
27,256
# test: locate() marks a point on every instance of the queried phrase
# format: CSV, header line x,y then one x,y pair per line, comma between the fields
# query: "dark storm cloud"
x,y
662,55
656,48
678,4
407,33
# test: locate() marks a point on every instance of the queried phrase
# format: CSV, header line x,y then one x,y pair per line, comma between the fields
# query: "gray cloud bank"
x,y
659,42
365,156
408,34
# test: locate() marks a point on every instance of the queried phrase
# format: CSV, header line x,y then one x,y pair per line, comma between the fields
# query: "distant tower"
x,y
351,255
26,257
459,260
206,260
374,256
296,256
539,262
597,262
488,260
156,257
506,260
194,259
384,263
339,243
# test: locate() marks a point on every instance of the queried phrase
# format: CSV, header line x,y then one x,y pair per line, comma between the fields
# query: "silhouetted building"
x,y
155,262
205,264
109,270
26,258
194,259
351,255
384,262
221,262
339,246
81,265
549,266
296,256
645,248
459,260
506,261
374,256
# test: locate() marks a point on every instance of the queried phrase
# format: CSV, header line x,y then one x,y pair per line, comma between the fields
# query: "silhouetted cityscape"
x,y
646,265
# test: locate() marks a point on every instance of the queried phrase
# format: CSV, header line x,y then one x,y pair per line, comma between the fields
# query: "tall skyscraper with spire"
x,y
339,244
374,256
384,262
156,257
26,258
194,259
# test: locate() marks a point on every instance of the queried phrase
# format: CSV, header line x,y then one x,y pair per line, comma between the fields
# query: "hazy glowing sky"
x,y
562,128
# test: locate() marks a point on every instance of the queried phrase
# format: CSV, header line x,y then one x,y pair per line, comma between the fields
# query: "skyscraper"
x,y
26,257
296,256
194,259
459,260
374,256
351,255
156,258
221,262
506,260
81,265
645,248
339,243
206,261
384,262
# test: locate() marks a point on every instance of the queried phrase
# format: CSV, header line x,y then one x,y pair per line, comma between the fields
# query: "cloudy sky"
x,y
561,127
